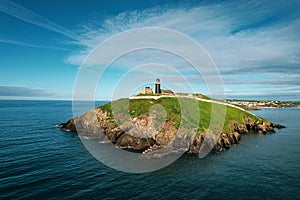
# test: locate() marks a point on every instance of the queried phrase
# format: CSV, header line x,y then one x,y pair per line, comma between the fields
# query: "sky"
x,y
255,46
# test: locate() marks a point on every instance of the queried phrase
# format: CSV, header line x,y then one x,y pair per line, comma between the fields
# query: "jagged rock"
x,y
113,135
196,144
219,146
136,143
226,142
277,126
68,126
237,137
181,142
167,133
240,128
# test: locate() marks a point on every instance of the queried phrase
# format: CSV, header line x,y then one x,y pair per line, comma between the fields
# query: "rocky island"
x,y
148,124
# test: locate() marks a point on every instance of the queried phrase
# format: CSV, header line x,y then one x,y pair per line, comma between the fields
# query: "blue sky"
x,y
255,44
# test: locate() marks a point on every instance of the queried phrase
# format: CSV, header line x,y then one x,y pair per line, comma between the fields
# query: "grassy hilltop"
x,y
138,107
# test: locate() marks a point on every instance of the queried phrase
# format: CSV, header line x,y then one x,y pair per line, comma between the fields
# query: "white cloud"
x,y
237,37
212,27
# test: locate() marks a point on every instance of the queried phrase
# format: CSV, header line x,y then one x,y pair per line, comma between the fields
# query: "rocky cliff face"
x,y
141,133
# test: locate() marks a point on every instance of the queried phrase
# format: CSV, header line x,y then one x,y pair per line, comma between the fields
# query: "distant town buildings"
x,y
256,104
251,103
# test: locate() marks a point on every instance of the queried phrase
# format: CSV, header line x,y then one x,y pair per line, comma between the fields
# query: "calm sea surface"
x,y
38,161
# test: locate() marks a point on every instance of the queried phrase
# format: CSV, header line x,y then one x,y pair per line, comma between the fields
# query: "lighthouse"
x,y
157,87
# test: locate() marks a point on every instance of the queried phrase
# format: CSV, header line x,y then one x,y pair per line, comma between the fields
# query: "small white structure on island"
x,y
167,92
146,90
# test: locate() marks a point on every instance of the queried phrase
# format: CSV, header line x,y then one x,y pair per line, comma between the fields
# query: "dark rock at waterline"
x,y
237,137
68,126
226,141
136,143
240,128
279,126
196,144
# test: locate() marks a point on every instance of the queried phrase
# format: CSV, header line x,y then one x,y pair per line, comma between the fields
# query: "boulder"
x,y
279,126
128,141
68,126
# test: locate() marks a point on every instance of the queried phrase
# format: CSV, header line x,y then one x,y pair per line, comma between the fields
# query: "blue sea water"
x,y
39,161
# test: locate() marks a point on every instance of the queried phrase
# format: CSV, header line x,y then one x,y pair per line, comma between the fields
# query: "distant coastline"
x,y
259,104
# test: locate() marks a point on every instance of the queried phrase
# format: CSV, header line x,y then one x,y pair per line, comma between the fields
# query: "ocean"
x,y
39,161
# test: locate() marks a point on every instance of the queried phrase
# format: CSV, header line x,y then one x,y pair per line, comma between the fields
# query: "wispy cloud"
x,y
29,16
261,68
253,38
234,34
31,45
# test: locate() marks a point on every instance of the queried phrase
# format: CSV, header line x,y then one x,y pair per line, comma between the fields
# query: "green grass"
x,y
195,95
188,115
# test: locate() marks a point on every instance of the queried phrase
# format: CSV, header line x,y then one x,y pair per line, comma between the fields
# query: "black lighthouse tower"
x,y
157,87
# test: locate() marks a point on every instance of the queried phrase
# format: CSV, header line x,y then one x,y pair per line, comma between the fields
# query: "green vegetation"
x,y
180,110
202,96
